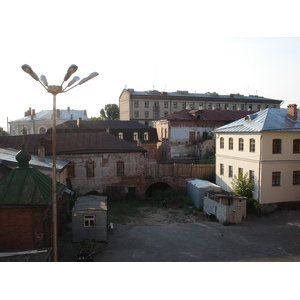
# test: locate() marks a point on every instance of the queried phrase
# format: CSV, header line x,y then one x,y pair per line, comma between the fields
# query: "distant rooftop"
x,y
213,95
46,115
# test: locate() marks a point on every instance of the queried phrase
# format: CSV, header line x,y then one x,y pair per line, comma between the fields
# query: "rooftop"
x,y
270,119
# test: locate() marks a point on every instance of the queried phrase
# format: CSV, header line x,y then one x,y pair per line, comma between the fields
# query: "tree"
x,y
242,185
3,132
110,112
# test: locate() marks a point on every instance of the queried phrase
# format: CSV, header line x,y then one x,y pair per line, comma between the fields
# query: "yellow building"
x,y
40,122
266,145
147,106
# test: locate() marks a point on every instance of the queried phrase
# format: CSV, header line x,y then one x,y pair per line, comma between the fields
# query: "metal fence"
x,y
180,170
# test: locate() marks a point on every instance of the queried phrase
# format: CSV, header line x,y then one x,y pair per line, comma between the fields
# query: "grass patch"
x,y
119,211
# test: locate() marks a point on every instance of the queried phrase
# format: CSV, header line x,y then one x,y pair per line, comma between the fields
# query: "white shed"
x,y
197,188
89,218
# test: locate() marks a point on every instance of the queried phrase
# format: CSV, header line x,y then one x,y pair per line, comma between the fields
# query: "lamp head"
x,y
27,69
72,69
92,75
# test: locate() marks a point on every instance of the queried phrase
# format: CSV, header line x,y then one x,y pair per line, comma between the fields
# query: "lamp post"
x,y
54,90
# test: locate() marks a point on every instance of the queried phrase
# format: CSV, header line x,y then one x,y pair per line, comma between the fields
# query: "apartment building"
x,y
148,106
266,146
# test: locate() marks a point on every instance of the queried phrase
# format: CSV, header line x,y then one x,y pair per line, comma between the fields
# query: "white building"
x,y
266,145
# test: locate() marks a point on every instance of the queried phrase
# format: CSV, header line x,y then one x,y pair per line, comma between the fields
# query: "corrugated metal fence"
x,y
179,170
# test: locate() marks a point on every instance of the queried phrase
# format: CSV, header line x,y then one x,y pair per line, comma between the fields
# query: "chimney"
x,y
68,108
33,112
41,153
79,122
292,112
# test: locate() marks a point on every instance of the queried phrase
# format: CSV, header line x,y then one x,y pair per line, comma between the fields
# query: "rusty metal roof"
x,y
72,143
208,115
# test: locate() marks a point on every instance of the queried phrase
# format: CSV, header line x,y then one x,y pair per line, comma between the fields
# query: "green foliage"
x,y
3,132
242,185
110,112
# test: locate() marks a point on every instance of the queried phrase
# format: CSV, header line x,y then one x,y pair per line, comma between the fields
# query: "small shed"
x,y
197,188
89,218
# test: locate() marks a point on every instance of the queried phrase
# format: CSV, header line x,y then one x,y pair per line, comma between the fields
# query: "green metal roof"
x,y
26,186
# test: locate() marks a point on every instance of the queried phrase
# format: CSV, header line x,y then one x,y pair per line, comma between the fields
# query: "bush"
x,y
242,186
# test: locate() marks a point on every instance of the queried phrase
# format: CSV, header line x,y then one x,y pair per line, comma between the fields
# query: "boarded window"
x,y
90,169
71,170
120,168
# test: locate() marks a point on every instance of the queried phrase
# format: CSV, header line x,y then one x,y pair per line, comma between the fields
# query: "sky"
x,y
221,46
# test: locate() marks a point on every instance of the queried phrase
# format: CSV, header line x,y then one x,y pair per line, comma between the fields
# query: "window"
x,y
120,135
135,136
89,220
165,104
276,146
90,169
175,105
146,136
296,146
240,172
296,177
146,114
226,106
146,104
209,106
230,171
42,130
234,106
252,145
155,114
192,105
242,106
120,168
156,104
230,145
241,144
136,113
165,113
136,104
200,105
24,130
221,143
250,107
183,105
71,170
251,175
146,155
258,107
275,178
221,169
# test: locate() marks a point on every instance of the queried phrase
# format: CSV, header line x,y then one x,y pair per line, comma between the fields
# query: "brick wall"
x,y
21,228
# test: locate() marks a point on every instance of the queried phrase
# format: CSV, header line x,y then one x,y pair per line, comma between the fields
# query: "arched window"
x,y
120,135
241,144
135,136
252,145
146,136
42,130
221,143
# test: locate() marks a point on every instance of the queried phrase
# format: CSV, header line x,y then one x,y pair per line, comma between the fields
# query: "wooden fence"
x,y
180,170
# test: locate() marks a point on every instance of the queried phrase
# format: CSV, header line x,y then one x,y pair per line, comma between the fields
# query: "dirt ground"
x,y
151,216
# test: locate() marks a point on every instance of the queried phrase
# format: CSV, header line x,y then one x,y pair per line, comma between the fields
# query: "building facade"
x,y
147,106
185,134
266,146
39,123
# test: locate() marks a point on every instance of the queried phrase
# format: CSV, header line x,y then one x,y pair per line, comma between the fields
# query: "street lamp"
x,y
54,90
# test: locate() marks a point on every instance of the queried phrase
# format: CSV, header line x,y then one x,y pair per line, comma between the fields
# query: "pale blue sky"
x,y
168,45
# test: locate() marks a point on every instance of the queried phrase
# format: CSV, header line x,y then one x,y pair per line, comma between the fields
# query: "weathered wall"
x,y
105,175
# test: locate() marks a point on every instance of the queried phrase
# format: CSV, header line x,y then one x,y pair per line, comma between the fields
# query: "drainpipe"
x,y
259,170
